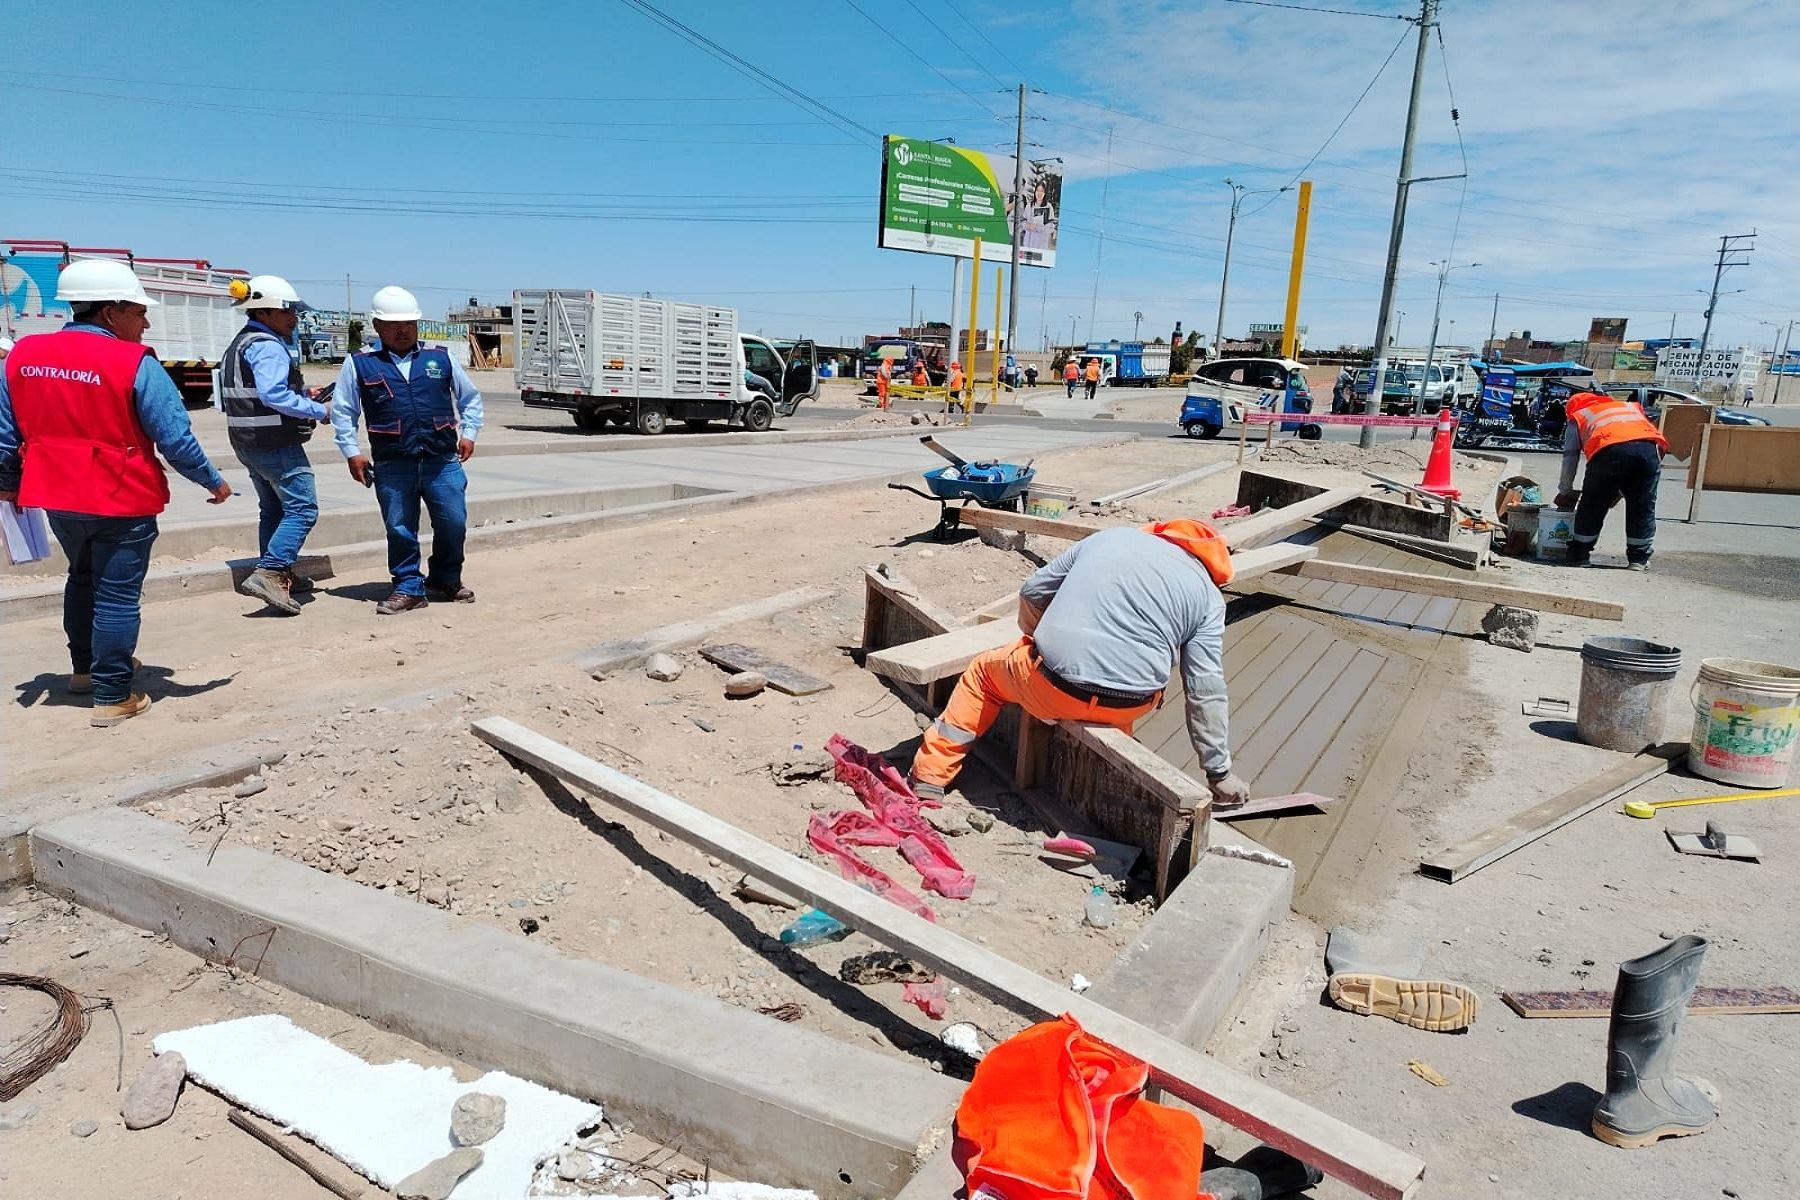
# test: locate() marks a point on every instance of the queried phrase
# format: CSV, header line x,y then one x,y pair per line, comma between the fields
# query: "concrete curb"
x,y
25,603
751,1095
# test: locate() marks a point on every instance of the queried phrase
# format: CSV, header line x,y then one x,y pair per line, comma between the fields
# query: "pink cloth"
x,y
884,793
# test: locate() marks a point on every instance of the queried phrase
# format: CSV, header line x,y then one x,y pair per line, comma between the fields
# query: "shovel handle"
x,y
931,444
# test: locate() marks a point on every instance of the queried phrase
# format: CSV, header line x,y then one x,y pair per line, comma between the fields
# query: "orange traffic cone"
x,y
1437,467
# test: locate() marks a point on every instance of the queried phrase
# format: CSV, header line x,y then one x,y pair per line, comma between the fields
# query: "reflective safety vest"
x,y
1604,421
252,424
956,379
84,449
408,416
1071,371
1093,372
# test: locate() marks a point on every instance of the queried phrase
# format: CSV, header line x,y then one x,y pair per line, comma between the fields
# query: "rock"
x,y
1002,539
434,1180
518,902
1514,628
250,787
17,1118
882,966
798,766
980,820
476,1117
79,949
573,1164
83,1129
703,724
150,1100
664,668
438,897
746,683
948,821
509,793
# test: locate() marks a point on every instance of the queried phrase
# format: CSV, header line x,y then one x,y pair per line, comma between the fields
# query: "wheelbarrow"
x,y
987,483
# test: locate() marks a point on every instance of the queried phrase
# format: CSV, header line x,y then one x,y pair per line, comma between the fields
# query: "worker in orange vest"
x,y
1103,625
884,379
1071,374
1624,458
1092,375
953,386
920,378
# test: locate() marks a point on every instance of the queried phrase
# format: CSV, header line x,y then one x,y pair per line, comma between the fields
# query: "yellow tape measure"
x,y
1645,810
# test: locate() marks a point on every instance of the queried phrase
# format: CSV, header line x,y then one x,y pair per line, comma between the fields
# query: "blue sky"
x,y
467,149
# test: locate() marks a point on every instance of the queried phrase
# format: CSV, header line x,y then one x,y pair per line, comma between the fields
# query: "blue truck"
x,y
1129,364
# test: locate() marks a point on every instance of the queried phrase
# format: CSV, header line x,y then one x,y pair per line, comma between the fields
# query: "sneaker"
x,y
1431,1004
457,595
1637,566
83,683
400,602
271,587
105,716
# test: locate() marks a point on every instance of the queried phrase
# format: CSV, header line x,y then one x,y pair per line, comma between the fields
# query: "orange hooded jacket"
x,y
1200,540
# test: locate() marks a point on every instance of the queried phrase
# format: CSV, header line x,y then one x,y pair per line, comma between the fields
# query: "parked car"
x,y
1221,392
1651,400
1409,391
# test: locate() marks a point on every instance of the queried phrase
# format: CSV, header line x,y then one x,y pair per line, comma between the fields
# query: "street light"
x,y
1072,319
1137,319
1444,268
1238,192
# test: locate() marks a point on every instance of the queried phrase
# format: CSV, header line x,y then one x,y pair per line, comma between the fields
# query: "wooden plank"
x,y
1461,589
995,610
735,658
1365,1163
1470,855
1274,523
1296,802
630,652
884,586
1747,458
996,518
1705,1002
948,653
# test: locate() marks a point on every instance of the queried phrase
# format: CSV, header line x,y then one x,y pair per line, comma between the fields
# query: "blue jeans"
x,y
400,484
108,559
287,501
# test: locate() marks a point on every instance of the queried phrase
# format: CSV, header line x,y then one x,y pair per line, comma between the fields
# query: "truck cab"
x,y
789,368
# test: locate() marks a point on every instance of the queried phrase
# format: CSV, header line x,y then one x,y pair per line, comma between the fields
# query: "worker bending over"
x,y
1624,452
1104,622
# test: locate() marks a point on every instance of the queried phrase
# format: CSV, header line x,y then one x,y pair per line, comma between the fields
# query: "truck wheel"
x,y
651,420
1200,429
588,419
759,416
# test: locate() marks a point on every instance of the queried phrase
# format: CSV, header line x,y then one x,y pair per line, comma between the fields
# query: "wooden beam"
x,y
1466,857
1365,1163
1275,523
996,518
1461,589
682,635
948,653
995,610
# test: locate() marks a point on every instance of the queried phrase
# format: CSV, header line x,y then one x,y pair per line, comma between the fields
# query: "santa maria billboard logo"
x,y
902,153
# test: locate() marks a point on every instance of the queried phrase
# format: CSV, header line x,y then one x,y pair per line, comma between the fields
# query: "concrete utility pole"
x,y
1731,246
1073,317
1427,18
1487,350
1787,343
1444,269
1018,214
1137,320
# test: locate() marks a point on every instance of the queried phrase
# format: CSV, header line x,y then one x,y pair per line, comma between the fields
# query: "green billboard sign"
x,y
938,198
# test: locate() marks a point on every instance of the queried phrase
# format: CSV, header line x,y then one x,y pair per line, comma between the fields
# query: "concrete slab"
x,y
751,1095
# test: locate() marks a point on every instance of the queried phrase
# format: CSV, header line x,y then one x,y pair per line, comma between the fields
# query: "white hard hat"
x,y
395,304
265,291
97,280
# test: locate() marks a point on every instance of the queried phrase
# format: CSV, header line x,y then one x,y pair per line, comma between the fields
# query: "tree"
x,y
1181,358
353,337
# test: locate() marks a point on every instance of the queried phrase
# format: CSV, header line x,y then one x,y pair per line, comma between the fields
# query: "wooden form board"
x,y
894,612
1462,589
1747,458
1705,1002
1466,857
947,654
631,652
1364,1162
1681,426
1244,534
996,518
736,658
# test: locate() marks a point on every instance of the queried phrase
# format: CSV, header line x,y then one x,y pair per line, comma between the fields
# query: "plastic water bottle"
x,y
814,926
1099,911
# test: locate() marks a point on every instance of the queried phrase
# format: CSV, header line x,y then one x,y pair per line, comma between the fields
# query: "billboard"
x,y
1680,364
937,199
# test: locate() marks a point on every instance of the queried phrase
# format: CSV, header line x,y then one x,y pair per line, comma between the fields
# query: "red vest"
x,y
83,447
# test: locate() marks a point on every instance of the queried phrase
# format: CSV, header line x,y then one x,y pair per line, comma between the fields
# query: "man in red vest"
x,y
1624,458
82,413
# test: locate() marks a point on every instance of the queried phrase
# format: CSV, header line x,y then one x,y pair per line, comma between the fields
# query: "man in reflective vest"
x,y
884,379
953,386
1104,623
1092,375
423,415
269,415
1071,376
82,412
1624,458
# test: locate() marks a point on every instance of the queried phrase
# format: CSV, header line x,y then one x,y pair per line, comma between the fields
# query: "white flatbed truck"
x,y
641,363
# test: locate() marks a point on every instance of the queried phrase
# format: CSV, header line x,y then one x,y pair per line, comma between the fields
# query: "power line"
x,y
1022,72
749,69
943,33
929,65
1336,12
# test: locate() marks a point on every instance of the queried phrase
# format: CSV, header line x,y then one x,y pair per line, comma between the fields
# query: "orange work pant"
x,y
1009,675
881,392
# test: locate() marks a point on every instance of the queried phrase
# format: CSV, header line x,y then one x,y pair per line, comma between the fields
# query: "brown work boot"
x,y
298,585
271,587
400,602
105,716
456,595
82,683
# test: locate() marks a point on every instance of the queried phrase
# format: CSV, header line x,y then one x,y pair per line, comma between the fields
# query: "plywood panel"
x,y
1751,458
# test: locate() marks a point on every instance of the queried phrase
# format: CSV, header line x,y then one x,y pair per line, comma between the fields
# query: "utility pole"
x,y
1487,350
1787,344
1044,314
1427,18
1237,197
912,306
1018,215
1073,317
1444,269
1731,247
1100,246
1672,326
1137,319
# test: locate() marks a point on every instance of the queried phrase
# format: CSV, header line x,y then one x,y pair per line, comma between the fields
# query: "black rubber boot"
x,y
1645,1100
1280,1173
1230,1183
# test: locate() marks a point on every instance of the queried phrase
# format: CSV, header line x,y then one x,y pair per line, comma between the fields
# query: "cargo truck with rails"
x,y
639,363
190,327
1129,364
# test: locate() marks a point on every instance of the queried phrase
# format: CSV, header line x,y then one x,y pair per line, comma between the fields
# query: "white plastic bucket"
x,y
1746,722
1554,529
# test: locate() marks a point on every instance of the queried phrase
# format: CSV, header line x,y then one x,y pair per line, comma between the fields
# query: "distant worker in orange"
x,y
1103,624
884,379
953,386
1624,458
1071,376
1092,375
920,378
